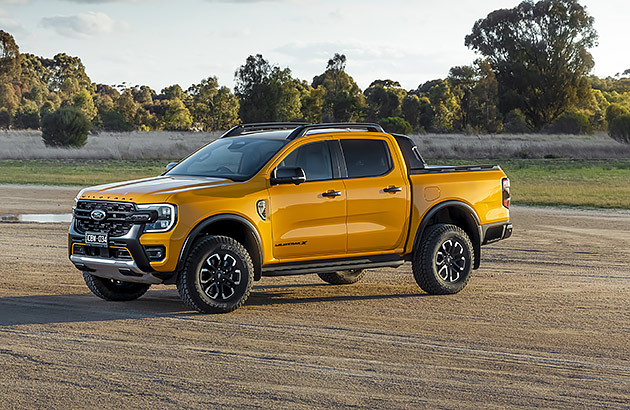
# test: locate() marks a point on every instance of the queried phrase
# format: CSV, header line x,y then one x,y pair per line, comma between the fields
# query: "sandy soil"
x,y
544,323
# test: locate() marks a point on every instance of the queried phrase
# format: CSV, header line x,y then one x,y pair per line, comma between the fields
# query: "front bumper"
x,y
103,263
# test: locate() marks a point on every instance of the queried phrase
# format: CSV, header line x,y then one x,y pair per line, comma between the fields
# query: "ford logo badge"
x,y
98,214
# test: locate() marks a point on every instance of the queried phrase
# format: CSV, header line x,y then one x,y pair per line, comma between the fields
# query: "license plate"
x,y
96,239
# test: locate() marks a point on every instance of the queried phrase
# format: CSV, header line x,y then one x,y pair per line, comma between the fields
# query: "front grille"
x,y
115,223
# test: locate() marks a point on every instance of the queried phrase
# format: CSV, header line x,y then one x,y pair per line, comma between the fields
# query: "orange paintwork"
x,y
363,220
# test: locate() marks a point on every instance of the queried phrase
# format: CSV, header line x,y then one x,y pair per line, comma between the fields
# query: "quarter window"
x,y
366,158
313,158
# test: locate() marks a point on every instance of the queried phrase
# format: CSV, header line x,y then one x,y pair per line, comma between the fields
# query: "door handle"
x,y
331,194
392,189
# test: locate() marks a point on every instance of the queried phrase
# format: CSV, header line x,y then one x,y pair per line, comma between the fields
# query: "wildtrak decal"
x,y
291,243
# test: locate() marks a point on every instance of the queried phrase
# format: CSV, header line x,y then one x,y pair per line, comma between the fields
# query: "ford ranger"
x,y
288,198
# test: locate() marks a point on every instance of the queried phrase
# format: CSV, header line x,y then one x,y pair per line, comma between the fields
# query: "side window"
x,y
366,158
313,158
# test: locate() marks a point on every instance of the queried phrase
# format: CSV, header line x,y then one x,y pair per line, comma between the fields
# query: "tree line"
x,y
532,75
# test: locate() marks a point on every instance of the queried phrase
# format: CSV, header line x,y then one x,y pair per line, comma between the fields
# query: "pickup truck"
x,y
282,199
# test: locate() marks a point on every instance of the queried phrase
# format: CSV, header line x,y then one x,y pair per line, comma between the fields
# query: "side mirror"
x,y
288,175
171,165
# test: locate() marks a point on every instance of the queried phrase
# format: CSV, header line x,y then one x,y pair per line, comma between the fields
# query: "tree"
x,y
266,92
9,57
27,116
384,99
63,67
225,106
343,99
212,108
475,88
84,102
127,106
173,92
8,99
177,116
539,52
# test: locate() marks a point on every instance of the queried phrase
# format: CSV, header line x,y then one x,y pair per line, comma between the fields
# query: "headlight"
x,y
167,216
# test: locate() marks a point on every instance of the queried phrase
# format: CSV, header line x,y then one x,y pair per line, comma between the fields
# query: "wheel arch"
x,y
233,226
456,213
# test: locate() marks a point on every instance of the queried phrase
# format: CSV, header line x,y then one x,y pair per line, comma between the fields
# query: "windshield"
x,y
234,158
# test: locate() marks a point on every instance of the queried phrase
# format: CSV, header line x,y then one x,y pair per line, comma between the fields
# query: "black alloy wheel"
x,y
217,277
443,262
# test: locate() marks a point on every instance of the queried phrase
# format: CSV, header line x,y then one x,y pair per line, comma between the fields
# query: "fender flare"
x,y
472,220
251,229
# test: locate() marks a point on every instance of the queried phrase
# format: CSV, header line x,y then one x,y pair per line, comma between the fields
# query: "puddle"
x,y
40,218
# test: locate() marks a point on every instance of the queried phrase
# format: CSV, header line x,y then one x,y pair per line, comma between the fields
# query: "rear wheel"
x,y
342,277
218,276
115,290
443,262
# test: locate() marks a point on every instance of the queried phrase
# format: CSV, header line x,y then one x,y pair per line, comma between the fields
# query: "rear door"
x,y
377,193
309,220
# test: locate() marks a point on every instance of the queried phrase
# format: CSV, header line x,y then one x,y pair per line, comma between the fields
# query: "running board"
x,y
331,266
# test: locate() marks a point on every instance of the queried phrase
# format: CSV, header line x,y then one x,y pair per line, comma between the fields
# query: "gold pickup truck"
x,y
283,199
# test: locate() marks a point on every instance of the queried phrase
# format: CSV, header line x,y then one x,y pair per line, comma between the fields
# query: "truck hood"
x,y
150,190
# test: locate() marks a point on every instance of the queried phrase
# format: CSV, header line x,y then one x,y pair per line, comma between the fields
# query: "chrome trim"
x,y
109,269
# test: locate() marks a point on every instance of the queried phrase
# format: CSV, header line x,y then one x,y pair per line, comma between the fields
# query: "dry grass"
x,y
106,145
175,145
525,146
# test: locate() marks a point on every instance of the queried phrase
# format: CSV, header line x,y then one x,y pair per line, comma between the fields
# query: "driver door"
x,y
309,220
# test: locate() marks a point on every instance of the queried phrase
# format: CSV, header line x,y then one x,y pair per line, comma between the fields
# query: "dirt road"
x,y
544,323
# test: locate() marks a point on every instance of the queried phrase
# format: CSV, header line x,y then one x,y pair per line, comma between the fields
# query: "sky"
x,y
164,42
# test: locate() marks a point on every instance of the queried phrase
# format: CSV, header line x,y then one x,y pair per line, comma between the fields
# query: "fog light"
x,y
155,253
79,249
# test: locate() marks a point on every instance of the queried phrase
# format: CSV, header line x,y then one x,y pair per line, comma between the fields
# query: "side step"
x,y
332,265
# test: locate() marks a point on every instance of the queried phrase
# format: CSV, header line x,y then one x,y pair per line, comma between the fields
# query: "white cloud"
x,y
80,25
9,24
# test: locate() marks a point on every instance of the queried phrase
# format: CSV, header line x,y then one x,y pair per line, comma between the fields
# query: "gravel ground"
x,y
544,323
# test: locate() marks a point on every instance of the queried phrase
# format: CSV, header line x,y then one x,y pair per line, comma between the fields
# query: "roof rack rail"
x,y
303,129
260,126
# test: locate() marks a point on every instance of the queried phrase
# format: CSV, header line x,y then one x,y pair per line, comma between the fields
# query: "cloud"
x,y
80,25
105,1
9,24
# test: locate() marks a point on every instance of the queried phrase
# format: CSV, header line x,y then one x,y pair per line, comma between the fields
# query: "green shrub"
x,y
614,110
515,123
66,127
619,128
570,122
5,118
114,121
26,118
396,125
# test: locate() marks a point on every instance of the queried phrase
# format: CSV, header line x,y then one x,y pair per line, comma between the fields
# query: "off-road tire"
x,y
217,277
114,290
342,277
443,262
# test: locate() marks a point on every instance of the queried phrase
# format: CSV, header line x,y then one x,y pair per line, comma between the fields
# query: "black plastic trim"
x,y
468,210
190,239
448,169
505,227
332,265
131,241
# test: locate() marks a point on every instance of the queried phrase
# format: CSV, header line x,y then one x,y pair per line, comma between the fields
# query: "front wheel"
x,y
443,262
217,277
115,290
342,277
